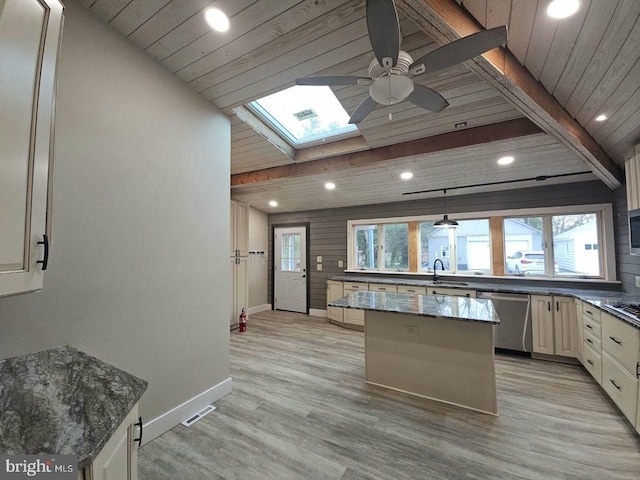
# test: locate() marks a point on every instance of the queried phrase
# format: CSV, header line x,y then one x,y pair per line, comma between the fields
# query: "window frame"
x,y
606,241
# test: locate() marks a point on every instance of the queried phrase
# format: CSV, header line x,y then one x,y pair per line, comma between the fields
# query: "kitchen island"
x,y
434,346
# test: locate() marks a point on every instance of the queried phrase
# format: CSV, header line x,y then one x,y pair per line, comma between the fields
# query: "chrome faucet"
x,y
435,275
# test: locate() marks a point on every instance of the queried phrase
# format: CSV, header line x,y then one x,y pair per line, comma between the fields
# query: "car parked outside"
x,y
526,262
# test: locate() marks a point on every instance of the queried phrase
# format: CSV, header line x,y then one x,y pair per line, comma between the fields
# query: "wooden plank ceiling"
x,y
588,62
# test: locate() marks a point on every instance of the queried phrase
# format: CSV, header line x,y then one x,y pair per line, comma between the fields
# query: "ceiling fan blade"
x,y
428,99
364,109
384,31
333,80
462,49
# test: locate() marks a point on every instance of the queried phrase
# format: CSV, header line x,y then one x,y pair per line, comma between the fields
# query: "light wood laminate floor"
x,y
301,410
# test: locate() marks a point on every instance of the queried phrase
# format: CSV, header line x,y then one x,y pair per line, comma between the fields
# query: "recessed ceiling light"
x,y
562,8
329,186
406,175
505,161
273,203
601,118
217,19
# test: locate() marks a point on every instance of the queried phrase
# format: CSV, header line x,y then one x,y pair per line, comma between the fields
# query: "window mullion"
x,y
547,235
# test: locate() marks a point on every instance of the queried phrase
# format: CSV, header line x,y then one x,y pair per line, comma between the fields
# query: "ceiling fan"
x,y
392,69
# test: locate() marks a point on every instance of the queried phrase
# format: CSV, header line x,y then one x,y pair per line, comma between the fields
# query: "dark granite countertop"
x,y
62,401
439,306
598,298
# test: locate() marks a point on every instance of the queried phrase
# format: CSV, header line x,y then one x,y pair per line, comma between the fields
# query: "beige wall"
x,y
258,264
138,274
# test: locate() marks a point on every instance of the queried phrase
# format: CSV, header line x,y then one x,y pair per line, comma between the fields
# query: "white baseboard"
x,y
259,308
173,417
316,312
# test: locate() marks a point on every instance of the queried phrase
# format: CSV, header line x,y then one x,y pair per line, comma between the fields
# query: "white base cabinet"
x,y
554,325
118,459
334,292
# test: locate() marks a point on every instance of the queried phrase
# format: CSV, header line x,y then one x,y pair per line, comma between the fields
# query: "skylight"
x,y
303,114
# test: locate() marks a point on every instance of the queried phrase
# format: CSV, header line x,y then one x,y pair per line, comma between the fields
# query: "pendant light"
x,y
445,222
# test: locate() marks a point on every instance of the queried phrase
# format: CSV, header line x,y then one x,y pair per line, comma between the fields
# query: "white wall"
x,y
138,274
258,264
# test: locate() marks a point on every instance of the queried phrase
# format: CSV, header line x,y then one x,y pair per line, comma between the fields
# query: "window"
x,y
523,246
569,233
366,247
473,246
290,252
303,114
396,246
561,242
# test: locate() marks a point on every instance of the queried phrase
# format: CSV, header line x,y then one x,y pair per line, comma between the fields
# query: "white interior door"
x,y
290,269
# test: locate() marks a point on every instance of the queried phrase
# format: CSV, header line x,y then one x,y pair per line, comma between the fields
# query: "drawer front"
x,y
592,361
355,286
621,341
592,341
621,387
409,289
590,325
591,312
375,287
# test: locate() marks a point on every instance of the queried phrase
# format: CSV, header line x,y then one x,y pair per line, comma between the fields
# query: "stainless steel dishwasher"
x,y
514,331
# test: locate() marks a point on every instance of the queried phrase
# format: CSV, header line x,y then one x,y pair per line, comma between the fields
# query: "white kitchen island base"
x,y
451,361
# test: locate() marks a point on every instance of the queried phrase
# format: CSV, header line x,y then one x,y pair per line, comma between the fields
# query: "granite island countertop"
x,y
63,401
596,297
438,306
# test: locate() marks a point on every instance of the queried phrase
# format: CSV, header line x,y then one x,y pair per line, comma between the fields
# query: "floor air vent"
x,y
194,418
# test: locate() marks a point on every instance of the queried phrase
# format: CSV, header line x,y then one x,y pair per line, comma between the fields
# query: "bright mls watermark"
x,y
39,467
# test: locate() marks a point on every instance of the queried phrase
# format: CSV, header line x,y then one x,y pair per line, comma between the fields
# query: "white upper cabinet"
x,y
239,229
29,39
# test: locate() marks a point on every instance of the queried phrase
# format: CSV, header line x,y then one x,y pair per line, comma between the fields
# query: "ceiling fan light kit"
x,y
392,69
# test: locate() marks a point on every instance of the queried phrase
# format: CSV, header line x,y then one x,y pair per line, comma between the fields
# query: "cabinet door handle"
x,y
139,439
45,260
381,288
411,291
590,341
589,312
615,384
433,292
549,306
616,340
557,306
589,327
589,362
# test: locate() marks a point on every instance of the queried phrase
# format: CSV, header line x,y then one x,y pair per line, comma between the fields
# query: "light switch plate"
x,y
319,266
340,264
638,281
319,259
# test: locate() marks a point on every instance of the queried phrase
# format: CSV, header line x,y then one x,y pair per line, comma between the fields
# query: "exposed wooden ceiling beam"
x,y
473,136
445,21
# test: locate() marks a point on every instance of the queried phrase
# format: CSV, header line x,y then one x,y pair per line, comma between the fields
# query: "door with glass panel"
x,y
290,269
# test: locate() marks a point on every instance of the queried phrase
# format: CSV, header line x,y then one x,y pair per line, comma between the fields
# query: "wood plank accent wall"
x,y
328,228
496,228
628,265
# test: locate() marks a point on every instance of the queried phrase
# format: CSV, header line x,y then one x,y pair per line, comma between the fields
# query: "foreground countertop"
x,y
596,297
439,306
63,401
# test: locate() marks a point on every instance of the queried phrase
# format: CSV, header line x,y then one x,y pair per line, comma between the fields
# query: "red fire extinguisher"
x,y
243,321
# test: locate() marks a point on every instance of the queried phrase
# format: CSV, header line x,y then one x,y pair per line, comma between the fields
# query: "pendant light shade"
x,y
446,222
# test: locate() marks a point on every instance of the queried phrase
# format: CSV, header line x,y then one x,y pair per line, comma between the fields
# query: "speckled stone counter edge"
x,y
63,401
597,298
